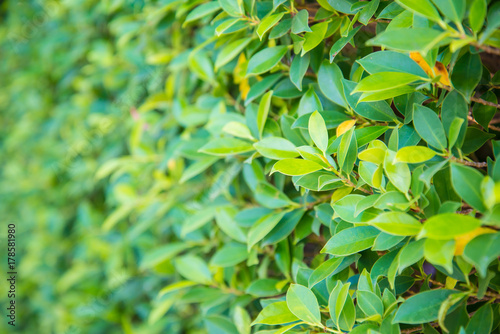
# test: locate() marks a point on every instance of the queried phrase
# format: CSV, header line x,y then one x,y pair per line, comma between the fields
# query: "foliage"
x,y
242,166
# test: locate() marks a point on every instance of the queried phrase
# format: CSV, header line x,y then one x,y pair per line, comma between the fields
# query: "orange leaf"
x,y
440,69
421,62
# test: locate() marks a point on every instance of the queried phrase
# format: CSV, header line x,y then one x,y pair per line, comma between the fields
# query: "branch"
x,y
487,49
475,99
469,163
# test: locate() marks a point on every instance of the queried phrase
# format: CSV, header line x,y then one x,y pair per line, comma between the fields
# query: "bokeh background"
x,y
73,76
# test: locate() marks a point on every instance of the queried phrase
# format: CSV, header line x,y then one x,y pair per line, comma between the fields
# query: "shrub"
x,y
284,166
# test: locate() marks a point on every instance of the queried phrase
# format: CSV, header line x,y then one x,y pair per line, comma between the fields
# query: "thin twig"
x,y
487,49
476,99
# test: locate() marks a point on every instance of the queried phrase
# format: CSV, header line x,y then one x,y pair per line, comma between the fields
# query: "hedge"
x,y
243,166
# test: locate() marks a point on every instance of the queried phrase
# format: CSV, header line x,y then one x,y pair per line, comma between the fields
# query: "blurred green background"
x,y
73,73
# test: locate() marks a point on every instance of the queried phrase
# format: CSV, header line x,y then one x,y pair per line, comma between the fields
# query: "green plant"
x,y
300,167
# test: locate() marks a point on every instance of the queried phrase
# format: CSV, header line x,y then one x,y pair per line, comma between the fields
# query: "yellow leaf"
x,y
345,126
240,69
244,88
463,240
421,62
440,69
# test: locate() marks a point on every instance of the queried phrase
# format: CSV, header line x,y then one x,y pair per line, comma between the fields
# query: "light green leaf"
x,y
262,227
317,131
294,167
448,226
384,80
229,255
230,51
396,223
424,8
351,241
313,38
414,154
232,7
226,146
194,269
440,252
202,11
275,314
398,173
276,148
263,111
268,23
266,59
454,10
303,303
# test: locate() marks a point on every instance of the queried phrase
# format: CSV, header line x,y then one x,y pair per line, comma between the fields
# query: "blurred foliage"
x,y
242,166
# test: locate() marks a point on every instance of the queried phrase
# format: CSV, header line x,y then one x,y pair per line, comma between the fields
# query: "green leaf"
x,y
384,80
368,11
341,307
422,307
197,167
375,111
303,303
370,303
229,255
421,7
390,61
226,146
455,106
454,10
313,38
194,269
332,119
270,197
262,227
348,150
202,11
484,114
351,241
202,66
467,183
397,223
309,103
481,321
339,44
230,51
276,148
224,218
298,69
477,13
405,39
385,94
266,59
429,127
317,131
275,314
414,154
330,83
238,129
440,252
264,287
330,267
263,111
232,7
300,22
398,173
466,74
268,23
294,167
482,250
448,226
